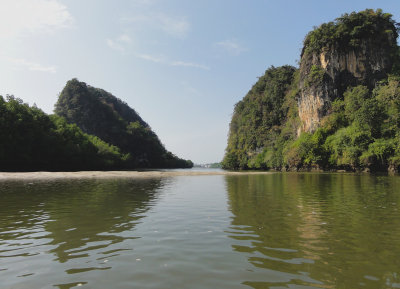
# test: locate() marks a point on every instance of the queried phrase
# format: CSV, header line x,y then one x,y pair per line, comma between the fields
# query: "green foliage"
x,y
257,119
388,95
362,109
306,151
350,29
337,119
378,153
258,161
396,62
354,99
315,77
346,146
230,161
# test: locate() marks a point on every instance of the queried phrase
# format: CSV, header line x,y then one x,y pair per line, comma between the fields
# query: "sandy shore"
x,y
114,174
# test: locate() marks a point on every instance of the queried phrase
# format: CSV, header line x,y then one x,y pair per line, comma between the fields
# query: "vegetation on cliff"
x,y
359,129
257,121
350,30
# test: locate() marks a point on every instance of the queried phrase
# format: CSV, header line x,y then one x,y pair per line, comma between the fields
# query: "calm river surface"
x,y
248,231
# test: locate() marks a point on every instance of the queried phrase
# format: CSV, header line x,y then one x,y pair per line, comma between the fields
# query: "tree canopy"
x,y
350,29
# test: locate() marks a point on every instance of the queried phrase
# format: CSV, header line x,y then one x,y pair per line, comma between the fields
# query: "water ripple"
x,y
270,231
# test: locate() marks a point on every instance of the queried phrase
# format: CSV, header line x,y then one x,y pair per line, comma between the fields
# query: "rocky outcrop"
x,y
326,74
98,112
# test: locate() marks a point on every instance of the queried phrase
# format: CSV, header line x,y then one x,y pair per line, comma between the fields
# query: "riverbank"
x,y
115,174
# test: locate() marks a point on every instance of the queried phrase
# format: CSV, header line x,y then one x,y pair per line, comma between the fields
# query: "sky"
x,y
182,65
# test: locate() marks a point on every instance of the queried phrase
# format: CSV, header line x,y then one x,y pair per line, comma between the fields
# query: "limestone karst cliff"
x,y
339,110
356,49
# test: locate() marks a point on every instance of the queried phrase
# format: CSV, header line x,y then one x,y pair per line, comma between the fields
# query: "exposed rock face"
x,y
326,74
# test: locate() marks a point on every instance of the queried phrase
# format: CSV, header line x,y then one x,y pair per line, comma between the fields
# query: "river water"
x,y
293,230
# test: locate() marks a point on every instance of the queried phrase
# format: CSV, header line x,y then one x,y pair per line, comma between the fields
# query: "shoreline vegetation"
x,y
42,175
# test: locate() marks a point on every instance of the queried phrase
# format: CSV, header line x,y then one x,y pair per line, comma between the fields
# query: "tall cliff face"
x,y
342,54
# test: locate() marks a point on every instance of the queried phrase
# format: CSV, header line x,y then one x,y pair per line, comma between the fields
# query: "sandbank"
x,y
115,174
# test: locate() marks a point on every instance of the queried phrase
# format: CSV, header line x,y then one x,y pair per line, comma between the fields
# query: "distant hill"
x,y
99,113
209,166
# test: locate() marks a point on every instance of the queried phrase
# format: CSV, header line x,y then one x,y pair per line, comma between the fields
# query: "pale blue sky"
x,y
182,65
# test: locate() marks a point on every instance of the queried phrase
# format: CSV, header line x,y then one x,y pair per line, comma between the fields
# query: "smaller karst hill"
x,y
99,113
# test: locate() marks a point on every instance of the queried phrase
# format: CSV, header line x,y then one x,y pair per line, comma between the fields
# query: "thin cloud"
x,y
189,64
119,43
177,27
142,3
165,61
125,38
232,46
114,45
190,89
19,17
151,58
32,66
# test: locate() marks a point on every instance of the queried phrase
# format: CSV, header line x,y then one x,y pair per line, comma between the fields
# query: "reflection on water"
x,y
318,230
255,231
63,221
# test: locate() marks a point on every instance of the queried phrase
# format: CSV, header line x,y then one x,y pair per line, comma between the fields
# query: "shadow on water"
x,y
317,230
78,222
